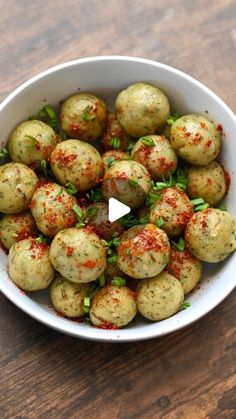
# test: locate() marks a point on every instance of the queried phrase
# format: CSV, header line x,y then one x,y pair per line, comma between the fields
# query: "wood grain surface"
x,y
190,374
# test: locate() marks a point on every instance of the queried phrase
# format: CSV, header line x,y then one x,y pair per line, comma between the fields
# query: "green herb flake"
x,y
86,304
102,280
71,188
80,225
41,239
127,251
50,111
173,118
130,146
87,114
152,199
112,259
180,244
160,222
4,152
115,143
118,281
197,201
78,211
92,212
133,183
95,195
201,207
185,305
104,243
148,141
110,161
144,220
33,141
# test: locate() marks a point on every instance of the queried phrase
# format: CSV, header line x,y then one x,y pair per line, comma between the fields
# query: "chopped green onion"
x,y
159,186
152,199
144,220
92,290
43,167
102,280
71,188
86,305
148,141
4,152
133,183
160,222
181,186
128,220
50,111
80,225
181,178
87,115
104,243
114,242
78,211
185,305
95,195
41,239
118,282
201,207
130,146
110,161
33,141
48,115
60,192
173,118
197,201
112,259
180,245
92,212
115,143
127,251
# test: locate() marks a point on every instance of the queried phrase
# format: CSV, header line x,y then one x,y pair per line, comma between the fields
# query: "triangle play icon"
x,y
116,209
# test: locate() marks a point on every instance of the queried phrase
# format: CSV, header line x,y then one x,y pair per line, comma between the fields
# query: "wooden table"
x,y
189,374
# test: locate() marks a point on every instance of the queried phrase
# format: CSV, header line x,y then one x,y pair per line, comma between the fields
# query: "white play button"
x,y
117,209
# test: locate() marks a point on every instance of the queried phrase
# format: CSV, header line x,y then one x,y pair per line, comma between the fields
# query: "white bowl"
x,y
106,76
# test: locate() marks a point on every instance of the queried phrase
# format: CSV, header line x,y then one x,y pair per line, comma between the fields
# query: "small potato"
x,y
77,162
211,235
142,109
97,216
113,307
16,227
159,297
29,265
52,209
143,252
78,255
159,158
17,186
186,268
195,139
127,181
207,182
31,142
112,156
83,116
114,131
174,209
67,297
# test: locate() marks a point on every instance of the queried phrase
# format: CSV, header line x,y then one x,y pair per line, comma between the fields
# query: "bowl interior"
x,y
106,76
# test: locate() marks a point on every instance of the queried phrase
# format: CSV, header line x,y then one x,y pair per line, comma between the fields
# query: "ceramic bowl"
x,y
106,76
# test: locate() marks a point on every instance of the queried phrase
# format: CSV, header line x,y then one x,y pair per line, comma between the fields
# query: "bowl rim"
x,y
120,335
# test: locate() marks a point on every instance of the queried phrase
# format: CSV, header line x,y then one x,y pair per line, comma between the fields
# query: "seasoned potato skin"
x,y
113,306
100,223
118,183
77,162
143,252
67,297
195,139
52,209
17,186
160,297
211,235
78,255
207,182
185,267
29,265
160,159
114,130
31,142
112,156
83,116
16,227
142,109
175,209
